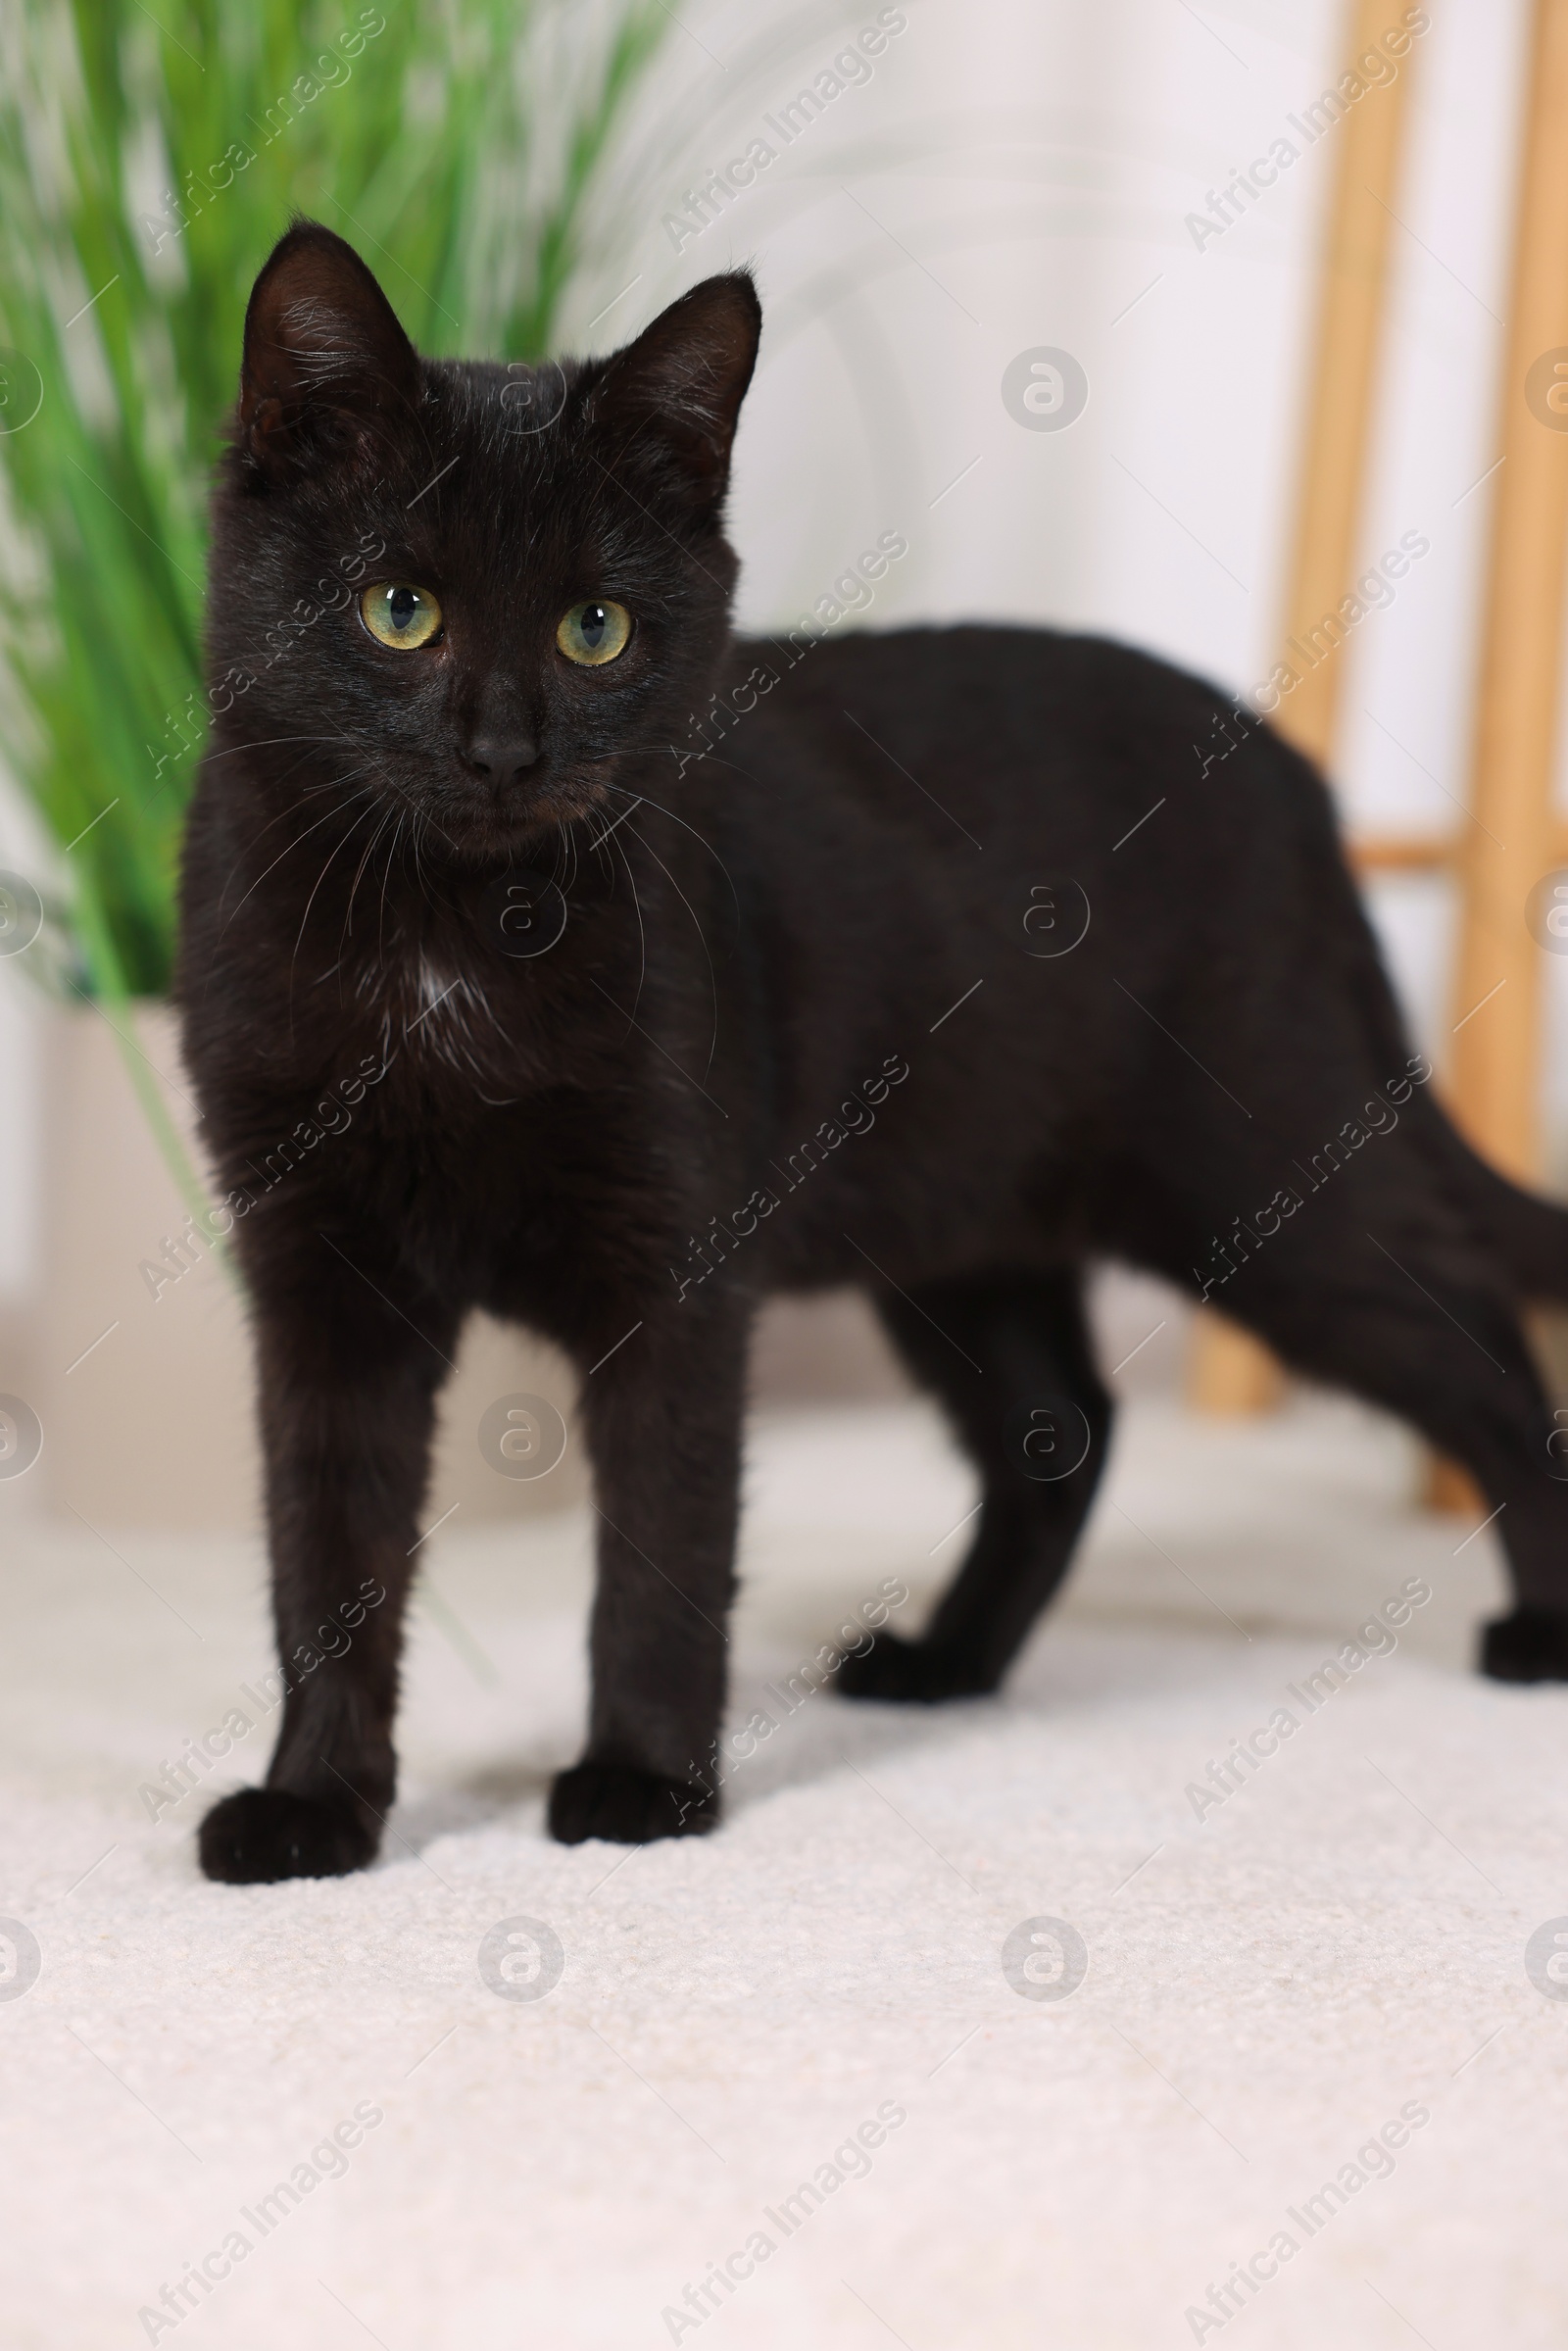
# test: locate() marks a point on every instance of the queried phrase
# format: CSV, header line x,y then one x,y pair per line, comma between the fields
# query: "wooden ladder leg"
x,y
1231,1372
1494,1080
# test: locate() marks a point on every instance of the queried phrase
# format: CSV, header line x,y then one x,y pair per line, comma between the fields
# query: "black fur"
x,y
796,1032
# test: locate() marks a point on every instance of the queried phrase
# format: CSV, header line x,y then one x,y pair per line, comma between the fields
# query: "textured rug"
x,y
1205,1987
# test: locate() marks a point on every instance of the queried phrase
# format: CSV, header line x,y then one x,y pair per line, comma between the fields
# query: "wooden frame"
x,y
1515,837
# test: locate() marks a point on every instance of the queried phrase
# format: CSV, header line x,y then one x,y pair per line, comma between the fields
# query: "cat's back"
x,y
1028,741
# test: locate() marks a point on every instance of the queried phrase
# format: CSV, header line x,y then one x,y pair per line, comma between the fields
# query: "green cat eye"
x,y
594,633
396,614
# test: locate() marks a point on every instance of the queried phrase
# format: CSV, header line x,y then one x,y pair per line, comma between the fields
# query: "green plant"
x,y
149,157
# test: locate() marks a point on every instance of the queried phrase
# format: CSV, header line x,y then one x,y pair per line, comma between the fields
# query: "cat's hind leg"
x,y
1008,1356
1401,1305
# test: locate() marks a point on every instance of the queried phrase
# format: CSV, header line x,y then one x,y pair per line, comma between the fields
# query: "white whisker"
x,y
299,940
713,976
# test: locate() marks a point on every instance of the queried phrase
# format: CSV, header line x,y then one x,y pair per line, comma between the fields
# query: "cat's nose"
x,y
502,759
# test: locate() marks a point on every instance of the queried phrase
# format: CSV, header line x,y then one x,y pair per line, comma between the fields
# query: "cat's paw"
x,y
1531,1645
911,1672
626,1806
264,1834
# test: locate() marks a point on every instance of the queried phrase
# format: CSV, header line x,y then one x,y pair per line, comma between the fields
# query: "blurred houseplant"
x,y
149,157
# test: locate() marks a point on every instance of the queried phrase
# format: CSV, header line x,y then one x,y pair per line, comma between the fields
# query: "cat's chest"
x,y
436,1024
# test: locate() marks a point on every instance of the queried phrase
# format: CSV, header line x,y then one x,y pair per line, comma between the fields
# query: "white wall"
x,y
1019,176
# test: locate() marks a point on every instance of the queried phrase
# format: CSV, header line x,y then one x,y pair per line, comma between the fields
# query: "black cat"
x,y
892,985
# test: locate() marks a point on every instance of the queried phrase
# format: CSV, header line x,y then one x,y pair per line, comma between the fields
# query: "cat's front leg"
x,y
350,1356
665,1416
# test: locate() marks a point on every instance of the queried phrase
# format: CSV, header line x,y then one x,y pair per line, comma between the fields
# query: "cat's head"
x,y
473,589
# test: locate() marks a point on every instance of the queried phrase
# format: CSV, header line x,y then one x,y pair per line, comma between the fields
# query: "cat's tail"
x,y
1530,1235
1527,1235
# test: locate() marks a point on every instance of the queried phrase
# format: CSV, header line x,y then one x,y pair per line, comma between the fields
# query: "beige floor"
x,y
1341,1940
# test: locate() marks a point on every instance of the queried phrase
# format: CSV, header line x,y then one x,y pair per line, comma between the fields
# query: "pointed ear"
x,y
327,364
676,391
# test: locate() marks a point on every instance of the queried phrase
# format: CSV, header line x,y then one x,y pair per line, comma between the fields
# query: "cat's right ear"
x,y
326,367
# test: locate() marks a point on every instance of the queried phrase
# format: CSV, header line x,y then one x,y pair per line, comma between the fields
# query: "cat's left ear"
x,y
326,369
677,390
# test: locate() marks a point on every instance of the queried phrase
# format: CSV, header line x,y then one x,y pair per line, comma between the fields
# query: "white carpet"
x,y
1340,1941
